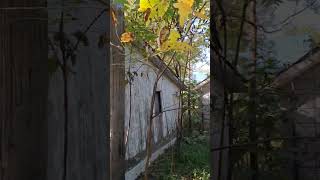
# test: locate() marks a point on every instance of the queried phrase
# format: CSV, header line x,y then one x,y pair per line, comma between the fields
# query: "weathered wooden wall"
x,y
77,142
303,102
137,117
23,91
42,137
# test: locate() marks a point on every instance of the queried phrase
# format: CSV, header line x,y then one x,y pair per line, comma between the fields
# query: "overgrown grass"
x,y
192,163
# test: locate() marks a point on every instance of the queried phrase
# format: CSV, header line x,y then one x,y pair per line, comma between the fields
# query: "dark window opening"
x,y
157,103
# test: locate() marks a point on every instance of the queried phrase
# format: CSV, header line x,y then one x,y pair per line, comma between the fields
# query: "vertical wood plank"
x,y
79,148
117,100
24,85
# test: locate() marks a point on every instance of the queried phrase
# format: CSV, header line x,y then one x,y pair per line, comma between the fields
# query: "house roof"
x,y
300,66
203,85
232,78
203,82
157,62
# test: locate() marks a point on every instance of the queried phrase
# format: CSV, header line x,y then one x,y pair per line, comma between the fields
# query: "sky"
x,y
288,47
201,70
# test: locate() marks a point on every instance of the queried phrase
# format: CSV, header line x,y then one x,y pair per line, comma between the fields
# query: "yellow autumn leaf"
x,y
153,8
182,46
174,36
172,43
184,9
145,4
160,8
188,2
166,46
176,46
201,14
127,37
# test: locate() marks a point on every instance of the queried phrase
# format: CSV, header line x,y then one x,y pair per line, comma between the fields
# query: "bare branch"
x,y
296,13
264,141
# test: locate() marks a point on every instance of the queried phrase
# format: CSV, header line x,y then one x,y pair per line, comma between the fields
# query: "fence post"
x,y
117,98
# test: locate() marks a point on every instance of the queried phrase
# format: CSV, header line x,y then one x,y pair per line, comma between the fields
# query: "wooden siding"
x,y
136,117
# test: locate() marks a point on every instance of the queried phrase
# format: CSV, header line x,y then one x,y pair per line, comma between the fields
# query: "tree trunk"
x,y
189,101
179,124
230,121
252,96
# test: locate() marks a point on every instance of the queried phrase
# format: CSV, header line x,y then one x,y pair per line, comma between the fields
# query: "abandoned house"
x,y
300,87
139,92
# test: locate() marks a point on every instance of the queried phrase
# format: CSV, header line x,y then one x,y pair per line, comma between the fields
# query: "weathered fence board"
x,y
117,99
78,140
23,91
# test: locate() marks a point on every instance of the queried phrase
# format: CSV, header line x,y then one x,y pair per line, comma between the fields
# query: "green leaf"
x,y
121,2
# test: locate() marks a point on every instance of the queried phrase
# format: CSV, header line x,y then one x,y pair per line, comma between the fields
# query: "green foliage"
x,y
122,2
269,121
194,97
193,162
147,20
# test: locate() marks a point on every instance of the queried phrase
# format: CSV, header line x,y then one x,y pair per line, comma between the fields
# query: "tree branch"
x,y
264,141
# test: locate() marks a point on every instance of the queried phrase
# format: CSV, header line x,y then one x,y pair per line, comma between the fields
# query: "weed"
x,y
191,164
